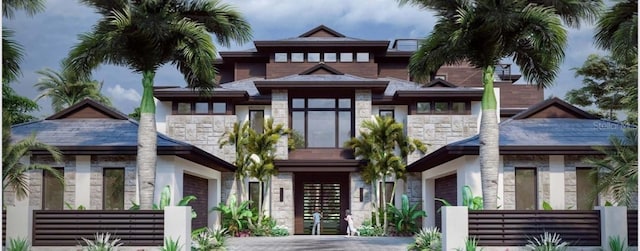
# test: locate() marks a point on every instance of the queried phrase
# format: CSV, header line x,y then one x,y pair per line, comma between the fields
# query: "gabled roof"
x,y
321,81
319,68
321,29
556,134
440,83
164,93
76,135
88,108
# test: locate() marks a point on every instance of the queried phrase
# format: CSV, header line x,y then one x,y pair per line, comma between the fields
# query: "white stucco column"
x,y
455,227
19,222
500,182
556,181
469,175
214,200
428,196
168,173
83,181
177,225
613,222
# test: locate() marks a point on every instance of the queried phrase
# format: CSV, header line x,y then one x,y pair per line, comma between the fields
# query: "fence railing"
x,y
514,228
68,227
4,228
632,227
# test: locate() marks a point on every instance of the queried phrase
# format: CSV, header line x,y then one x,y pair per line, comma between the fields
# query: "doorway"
x,y
329,192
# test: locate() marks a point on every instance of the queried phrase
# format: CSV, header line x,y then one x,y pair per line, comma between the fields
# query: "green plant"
x,y
617,244
546,206
468,200
547,242
170,245
406,217
165,201
19,244
235,217
101,242
428,239
279,230
207,239
470,244
70,207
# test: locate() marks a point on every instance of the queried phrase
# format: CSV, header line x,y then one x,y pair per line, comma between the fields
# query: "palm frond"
x,y
31,7
12,54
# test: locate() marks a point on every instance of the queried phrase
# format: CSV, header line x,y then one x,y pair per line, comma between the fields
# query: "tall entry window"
x,y
324,122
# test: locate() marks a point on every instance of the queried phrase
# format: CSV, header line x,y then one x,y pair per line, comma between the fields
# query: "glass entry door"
x,y
329,192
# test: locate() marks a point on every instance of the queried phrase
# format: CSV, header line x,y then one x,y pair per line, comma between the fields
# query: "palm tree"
x,y
14,172
64,89
144,35
377,144
261,150
617,172
31,7
483,32
617,31
238,137
12,51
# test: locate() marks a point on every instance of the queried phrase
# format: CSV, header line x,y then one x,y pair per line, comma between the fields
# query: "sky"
x,y
48,36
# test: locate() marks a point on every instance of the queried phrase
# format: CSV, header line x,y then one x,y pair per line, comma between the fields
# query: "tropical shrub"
x,y
547,242
369,229
468,200
171,245
235,217
406,217
617,244
207,239
280,230
19,244
264,227
101,242
165,201
470,244
428,239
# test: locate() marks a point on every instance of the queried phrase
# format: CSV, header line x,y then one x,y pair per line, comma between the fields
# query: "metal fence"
x,y
515,227
68,227
632,227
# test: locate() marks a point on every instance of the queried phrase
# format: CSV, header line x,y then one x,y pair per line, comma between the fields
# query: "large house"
x,y
323,85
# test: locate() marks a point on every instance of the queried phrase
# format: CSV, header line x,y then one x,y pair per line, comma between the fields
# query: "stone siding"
x,y
203,131
360,210
98,163
228,186
35,179
283,212
280,114
540,162
362,109
439,130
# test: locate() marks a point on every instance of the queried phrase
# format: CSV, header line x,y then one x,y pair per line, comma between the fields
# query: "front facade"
x,y
323,85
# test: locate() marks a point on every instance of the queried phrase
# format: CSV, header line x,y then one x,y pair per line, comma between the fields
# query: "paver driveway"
x,y
323,242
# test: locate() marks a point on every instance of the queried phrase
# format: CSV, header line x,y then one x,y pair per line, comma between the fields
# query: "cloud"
x,y
118,93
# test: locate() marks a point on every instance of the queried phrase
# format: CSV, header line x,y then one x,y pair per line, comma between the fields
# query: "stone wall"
x,y
280,114
439,130
362,109
540,162
360,210
36,179
283,212
203,131
98,163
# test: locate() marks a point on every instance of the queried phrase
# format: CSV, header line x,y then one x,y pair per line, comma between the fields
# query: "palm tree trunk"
x,y
384,205
489,144
260,199
147,143
374,201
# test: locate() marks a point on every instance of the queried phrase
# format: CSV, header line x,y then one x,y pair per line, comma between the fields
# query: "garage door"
x,y
198,187
446,189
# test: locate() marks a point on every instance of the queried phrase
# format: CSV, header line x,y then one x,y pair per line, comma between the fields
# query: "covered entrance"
x,y
329,192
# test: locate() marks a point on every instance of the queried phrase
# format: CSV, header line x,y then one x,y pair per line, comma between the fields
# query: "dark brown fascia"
x,y
87,102
265,87
449,153
242,54
452,93
319,165
383,44
319,28
167,95
191,153
554,101
398,54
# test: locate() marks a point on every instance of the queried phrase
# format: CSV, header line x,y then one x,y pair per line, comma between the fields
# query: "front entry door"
x,y
327,192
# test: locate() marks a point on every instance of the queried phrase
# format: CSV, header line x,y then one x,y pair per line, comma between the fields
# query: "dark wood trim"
x,y
324,28
298,194
632,227
109,112
321,66
554,102
319,165
229,107
474,94
413,108
166,94
442,82
261,45
266,86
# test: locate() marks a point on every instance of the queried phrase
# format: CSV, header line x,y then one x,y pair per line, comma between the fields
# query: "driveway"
x,y
323,242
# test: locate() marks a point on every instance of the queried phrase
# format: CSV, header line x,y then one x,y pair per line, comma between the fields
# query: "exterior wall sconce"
x,y
361,194
281,194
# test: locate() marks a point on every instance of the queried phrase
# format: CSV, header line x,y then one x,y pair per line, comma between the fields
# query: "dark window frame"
x,y
286,60
104,190
594,181
45,174
251,122
192,108
337,111
535,176
393,113
387,192
249,190
195,112
449,111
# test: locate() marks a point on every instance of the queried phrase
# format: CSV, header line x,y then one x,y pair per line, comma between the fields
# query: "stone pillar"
x,y
363,109
283,211
359,210
177,225
20,221
280,114
613,223
455,227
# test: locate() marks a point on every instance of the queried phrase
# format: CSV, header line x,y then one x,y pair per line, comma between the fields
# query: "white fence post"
x,y
613,222
455,227
19,222
177,225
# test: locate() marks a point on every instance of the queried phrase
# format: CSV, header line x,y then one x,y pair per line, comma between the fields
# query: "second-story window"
x,y
202,108
386,113
280,57
329,57
362,57
323,122
313,57
219,108
346,57
256,120
297,57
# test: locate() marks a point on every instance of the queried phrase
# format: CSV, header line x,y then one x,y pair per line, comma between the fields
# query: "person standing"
x,y
316,222
351,228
